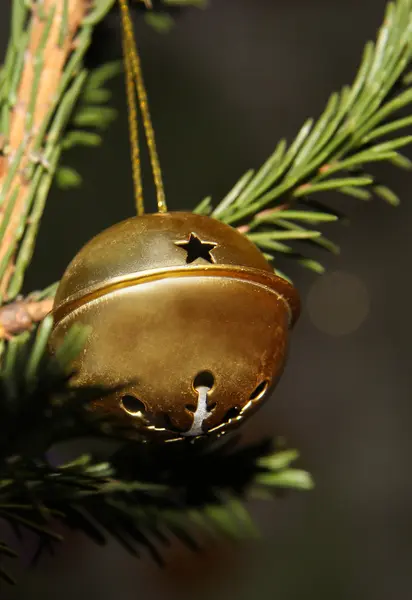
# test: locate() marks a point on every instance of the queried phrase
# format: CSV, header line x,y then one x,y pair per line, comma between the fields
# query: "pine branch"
x,y
142,494
358,128
20,315
40,83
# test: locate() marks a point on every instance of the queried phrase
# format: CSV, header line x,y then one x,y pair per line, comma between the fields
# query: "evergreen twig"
x,y
358,128
21,314
41,81
143,494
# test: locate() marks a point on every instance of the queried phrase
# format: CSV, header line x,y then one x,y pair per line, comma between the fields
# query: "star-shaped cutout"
x,y
196,248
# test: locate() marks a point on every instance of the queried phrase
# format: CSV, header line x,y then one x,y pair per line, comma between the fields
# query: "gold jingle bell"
x,y
186,314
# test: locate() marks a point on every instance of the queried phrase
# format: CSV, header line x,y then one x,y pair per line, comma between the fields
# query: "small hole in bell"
x,y
259,390
204,379
191,407
232,413
132,405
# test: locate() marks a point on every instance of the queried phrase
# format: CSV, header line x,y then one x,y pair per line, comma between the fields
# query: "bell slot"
x,y
132,405
202,384
232,413
204,379
260,390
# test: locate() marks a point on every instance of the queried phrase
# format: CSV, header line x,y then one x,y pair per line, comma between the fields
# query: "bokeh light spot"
x,y
338,303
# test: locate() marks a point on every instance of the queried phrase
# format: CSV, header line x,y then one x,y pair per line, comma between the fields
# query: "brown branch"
x,y
21,315
24,128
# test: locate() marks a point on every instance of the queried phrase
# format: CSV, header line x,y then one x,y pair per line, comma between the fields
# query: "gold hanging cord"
x,y
134,77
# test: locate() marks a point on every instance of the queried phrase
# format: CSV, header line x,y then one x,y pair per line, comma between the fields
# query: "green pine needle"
x,y
334,152
161,22
67,178
91,113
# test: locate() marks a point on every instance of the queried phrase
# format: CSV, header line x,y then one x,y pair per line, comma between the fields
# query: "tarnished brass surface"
x,y
175,302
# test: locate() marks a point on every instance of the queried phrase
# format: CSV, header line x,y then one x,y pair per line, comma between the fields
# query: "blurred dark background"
x,y
224,86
